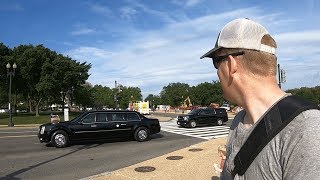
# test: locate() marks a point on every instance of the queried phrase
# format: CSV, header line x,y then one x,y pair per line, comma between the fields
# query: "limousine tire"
x,y
193,124
219,122
141,134
60,139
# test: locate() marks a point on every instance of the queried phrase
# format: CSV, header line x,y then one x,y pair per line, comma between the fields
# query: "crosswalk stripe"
x,y
174,126
207,133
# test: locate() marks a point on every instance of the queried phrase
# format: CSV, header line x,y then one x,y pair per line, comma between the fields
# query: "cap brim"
x,y
210,54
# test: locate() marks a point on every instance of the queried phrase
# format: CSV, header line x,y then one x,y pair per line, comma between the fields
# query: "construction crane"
x,y
187,102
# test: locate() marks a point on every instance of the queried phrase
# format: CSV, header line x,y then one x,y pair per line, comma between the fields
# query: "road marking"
x,y
2,137
210,132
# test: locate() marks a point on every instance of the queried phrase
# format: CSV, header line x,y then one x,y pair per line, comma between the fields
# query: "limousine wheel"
x,y
219,122
193,124
141,134
60,139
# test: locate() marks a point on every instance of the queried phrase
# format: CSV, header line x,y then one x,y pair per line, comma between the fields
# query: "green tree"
x,y
154,100
43,73
83,96
60,77
175,93
103,97
127,94
311,94
205,93
4,59
28,74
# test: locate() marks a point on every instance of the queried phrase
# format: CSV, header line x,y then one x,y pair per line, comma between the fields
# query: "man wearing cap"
x,y
266,140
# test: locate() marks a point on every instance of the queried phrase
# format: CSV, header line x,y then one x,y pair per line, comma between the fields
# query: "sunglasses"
x,y
217,59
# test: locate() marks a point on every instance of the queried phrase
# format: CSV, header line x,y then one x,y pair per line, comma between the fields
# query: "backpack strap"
x,y
279,116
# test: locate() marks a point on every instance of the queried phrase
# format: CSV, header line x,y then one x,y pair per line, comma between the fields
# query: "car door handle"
x,y
123,124
93,125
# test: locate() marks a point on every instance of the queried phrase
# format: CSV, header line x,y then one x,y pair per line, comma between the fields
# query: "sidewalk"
x,y
193,165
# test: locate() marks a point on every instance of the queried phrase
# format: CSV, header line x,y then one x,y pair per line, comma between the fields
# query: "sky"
x,y
151,43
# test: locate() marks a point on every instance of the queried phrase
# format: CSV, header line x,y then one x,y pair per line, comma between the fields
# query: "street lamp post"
x,y
10,74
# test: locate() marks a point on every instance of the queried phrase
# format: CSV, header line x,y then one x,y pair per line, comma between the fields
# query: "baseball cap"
x,y
241,33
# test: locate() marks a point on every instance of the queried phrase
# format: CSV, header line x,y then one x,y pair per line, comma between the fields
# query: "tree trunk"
x,y
30,105
63,98
37,107
37,110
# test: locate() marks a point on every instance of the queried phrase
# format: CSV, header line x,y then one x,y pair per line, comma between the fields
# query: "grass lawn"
x,y
31,118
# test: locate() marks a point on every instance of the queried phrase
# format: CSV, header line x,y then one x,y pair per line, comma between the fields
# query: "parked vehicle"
x,y
205,116
226,106
97,125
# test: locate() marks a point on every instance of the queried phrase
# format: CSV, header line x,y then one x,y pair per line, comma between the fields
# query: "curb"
x,y
21,125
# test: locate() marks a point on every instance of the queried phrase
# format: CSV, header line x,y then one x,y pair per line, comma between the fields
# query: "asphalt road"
x,y
23,157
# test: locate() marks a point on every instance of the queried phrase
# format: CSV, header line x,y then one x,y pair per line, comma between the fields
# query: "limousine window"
x,y
102,117
132,117
90,118
117,117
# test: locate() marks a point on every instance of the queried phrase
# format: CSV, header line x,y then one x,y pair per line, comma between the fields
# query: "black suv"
x,y
97,125
205,116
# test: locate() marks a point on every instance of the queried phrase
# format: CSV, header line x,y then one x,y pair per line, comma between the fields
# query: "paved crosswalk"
x,y
208,132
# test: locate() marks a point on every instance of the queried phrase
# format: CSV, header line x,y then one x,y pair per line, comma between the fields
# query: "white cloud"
x,y
100,9
127,12
163,15
82,31
88,54
299,37
153,59
192,2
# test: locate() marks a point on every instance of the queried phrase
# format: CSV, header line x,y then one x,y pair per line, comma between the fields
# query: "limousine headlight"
x,y
185,118
42,129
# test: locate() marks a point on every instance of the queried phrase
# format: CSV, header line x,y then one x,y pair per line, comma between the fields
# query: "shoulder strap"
x,y
279,116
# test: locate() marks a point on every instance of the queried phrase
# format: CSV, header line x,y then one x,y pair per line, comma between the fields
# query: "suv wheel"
x,y
141,134
60,139
193,124
219,122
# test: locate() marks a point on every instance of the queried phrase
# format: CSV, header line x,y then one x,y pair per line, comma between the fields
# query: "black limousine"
x,y
99,125
205,116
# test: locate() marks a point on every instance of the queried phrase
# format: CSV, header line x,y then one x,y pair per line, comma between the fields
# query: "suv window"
x,y
203,112
102,117
117,117
90,118
132,117
194,111
210,111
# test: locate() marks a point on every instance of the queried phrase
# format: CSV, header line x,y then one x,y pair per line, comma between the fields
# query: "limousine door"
x,y
119,125
88,128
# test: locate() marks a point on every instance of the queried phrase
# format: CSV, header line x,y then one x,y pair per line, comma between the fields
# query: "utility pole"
x,y
115,96
281,75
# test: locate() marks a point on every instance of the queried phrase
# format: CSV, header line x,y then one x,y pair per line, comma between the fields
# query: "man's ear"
x,y
232,65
